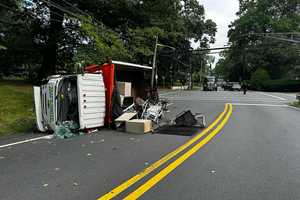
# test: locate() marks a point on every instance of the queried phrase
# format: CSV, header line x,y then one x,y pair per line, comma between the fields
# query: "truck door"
x,y
91,100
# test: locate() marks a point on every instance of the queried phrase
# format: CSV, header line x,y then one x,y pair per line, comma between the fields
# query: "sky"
x,y
222,12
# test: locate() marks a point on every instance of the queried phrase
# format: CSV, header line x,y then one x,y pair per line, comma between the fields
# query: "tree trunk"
x,y
50,52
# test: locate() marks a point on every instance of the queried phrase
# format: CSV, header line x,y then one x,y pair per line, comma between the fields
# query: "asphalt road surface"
x,y
251,152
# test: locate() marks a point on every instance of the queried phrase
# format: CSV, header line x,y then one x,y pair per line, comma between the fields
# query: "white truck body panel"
x,y
91,100
38,109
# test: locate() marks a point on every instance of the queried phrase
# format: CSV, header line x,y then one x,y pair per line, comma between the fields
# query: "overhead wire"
x,y
73,6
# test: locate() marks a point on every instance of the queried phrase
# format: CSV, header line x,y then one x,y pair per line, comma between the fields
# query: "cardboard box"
x,y
138,126
124,88
125,117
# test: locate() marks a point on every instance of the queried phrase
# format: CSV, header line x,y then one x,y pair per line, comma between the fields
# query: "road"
x,y
254,154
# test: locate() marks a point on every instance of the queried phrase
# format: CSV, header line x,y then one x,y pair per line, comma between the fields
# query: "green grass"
x,y
296,104
16,107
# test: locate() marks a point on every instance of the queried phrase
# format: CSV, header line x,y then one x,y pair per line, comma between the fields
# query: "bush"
x,y
257,79
281,85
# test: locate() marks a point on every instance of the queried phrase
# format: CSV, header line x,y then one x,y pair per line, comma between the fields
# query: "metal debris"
x,y
45,185
75,184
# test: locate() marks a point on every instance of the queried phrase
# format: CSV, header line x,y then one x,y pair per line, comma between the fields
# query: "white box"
x,y
124,88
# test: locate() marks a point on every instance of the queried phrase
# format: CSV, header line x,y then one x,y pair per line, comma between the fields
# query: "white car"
x,y
236,87
78,98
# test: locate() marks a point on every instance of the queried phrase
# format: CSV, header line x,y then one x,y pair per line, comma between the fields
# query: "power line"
x,y
5,6
61,8
73,6
283,39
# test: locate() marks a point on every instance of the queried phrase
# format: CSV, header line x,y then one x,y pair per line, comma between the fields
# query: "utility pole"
x,y
190,72
200,72
154,65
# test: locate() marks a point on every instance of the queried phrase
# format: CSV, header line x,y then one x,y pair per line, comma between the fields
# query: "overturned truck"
x,y
91,99
79,99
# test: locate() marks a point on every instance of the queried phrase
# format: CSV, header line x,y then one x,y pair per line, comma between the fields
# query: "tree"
x,y
250,49
63,33
258,77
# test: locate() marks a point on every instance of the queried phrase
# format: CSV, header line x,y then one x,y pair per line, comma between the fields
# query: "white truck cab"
x,y
79,98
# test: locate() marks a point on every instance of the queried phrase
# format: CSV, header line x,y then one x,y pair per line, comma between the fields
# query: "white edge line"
x,y
294,107
265,105
274,96
26,141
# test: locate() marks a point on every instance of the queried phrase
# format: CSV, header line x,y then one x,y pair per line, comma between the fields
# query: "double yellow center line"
x,y
165,171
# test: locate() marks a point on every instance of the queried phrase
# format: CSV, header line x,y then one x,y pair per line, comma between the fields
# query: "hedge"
x,y
281,85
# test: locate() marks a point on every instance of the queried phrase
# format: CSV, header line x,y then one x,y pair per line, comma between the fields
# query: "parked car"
x,y
236,86
210,83
227,86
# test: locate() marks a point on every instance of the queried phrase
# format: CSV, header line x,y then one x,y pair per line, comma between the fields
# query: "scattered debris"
x,y
185,123
154,110
82,145
131,139
45,185
2,157
124,117
212,171
102,140
114,148
56,169
49,137
92,142
66,130
187,118
88,154
75,184
146,163
90,131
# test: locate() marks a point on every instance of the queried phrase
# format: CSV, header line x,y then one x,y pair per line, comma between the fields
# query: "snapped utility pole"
x,y
154,65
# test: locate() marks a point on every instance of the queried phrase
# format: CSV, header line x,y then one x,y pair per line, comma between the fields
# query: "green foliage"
x,y
249,50
281,85
141,43
89,31
99,43
258,78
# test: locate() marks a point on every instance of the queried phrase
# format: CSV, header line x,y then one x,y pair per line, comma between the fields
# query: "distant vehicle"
x,y
227,86
211,84
236,86
298,97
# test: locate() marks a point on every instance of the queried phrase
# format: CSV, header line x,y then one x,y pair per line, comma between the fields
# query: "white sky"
x,y
222,12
